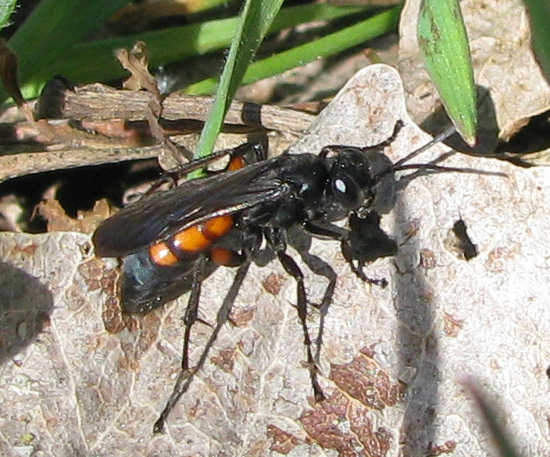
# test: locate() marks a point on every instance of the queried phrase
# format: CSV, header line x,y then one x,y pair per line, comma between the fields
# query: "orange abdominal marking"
x,y
217,227
222,256
191,239
161,255
196,238
236,164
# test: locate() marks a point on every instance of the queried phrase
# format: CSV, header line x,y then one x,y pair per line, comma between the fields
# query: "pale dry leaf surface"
x,y
392,358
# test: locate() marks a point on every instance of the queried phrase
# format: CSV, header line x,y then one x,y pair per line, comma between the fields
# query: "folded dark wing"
x,y
159,215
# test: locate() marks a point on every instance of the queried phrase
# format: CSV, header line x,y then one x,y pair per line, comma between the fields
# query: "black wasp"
x,y
171,238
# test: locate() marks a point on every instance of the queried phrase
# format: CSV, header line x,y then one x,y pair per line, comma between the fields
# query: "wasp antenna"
x,y
438,139
429,167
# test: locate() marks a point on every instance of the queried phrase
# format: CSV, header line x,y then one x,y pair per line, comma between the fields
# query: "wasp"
x,y
169,240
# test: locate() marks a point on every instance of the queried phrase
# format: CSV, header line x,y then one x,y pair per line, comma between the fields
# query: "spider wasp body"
x,y
173,237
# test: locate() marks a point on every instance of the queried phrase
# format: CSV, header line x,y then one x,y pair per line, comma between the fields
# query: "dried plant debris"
x,y
96,124
99,377
85,221
459,242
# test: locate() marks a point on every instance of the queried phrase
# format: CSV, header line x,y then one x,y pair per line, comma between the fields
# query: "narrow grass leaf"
x,y
327,46
444,45
256,18
539,17
52,28
199,39
6,9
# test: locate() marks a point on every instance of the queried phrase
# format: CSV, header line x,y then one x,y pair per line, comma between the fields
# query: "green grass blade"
x,y
324,47
256,19
6,9
539,16
200,39
52,28
444,45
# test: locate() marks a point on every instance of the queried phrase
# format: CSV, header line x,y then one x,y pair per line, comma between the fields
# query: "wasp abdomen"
x,y
190,241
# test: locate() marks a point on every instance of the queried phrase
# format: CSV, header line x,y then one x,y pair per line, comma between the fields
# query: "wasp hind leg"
x,y
187,374
192,312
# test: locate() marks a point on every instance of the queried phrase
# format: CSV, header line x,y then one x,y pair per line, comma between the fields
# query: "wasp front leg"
x,y
366,243
362,243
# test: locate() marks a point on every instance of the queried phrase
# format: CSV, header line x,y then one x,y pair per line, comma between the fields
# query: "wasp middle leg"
x,y
277,240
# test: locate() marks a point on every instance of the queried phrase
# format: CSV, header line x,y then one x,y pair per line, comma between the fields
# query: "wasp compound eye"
x,y
347,191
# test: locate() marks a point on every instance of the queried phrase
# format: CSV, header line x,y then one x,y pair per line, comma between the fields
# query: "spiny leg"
x,y
323,308
366,243
255,149
334,232
276,239
348,254
292,268
186,376
331,231
192,311
376,147
320,267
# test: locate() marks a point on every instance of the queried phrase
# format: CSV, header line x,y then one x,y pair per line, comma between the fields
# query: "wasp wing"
x,y
162,214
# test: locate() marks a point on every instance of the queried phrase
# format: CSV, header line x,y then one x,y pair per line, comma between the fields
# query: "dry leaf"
x,y
77,388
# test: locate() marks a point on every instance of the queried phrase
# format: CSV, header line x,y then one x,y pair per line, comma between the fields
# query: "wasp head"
x,y
360,179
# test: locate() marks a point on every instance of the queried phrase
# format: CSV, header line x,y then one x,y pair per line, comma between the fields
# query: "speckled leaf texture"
x,y
76,378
